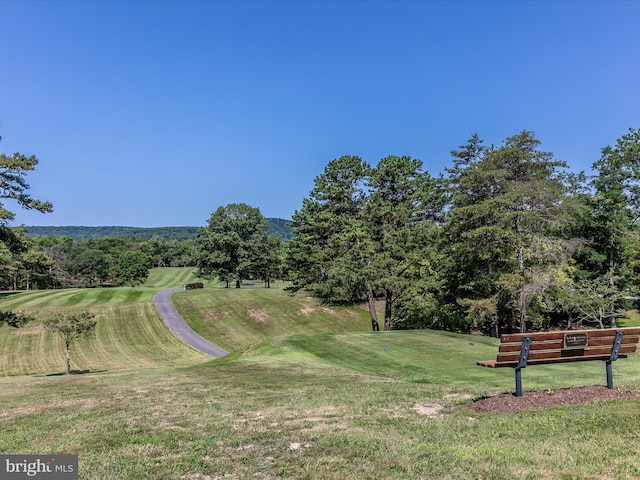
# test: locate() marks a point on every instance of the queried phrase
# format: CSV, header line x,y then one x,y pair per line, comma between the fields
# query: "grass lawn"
x,y
236,318
314,404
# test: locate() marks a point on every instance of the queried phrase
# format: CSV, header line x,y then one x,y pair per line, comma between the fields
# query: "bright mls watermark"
x,y
49,467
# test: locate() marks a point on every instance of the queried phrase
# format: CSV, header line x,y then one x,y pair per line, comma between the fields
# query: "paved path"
x,y
162,301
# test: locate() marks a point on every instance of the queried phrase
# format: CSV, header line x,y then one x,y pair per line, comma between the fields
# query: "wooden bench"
x,y
521,349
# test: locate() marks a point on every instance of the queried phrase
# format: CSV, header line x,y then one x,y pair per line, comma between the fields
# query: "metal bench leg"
x,y
522,363
518,382
614,356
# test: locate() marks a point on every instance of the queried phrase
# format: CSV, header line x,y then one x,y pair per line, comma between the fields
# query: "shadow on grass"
x,y
73,372
7,294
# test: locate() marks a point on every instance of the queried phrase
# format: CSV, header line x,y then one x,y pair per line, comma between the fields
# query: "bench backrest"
x,y
571,345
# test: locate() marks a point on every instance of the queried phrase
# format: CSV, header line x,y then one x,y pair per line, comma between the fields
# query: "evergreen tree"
x,y
365,232
331,247
13,170
267,262
505,204
401,214
615,211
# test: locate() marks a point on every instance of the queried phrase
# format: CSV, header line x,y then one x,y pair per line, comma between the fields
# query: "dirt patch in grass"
x,y
307,310
431,410
214,316
259,315
508,402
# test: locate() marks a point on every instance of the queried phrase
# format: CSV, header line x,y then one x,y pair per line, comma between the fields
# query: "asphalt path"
x,y
170,316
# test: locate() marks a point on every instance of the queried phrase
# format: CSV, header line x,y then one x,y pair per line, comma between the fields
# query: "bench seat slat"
x,y
496,364
564,354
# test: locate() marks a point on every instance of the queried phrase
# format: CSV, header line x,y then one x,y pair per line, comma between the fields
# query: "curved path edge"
x,y
175,322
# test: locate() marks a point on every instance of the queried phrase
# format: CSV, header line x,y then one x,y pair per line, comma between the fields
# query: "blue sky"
x,y
155,113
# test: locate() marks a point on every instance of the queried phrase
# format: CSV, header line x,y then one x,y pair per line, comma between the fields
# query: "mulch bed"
x,y
508,402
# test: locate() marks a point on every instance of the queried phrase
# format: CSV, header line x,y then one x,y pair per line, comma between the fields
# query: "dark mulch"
x,y
508,402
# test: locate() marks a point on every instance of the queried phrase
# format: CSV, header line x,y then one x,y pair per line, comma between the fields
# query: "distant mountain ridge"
x,y
276,226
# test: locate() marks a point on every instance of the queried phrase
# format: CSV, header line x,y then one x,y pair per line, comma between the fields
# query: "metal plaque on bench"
x,y
575,340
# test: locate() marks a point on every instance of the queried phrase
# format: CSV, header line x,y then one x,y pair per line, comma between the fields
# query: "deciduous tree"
x,y
225,248
132,268
91,266
69,327
13,319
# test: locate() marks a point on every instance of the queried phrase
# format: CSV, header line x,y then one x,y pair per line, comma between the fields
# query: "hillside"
x,y
307,392
276,226
131,335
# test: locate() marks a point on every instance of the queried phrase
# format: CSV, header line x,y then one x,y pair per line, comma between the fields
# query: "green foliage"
x,y
139,233
319,404
402,211
234,246
267,257
13,319
507,241
58,262
92,266
280,228
275,226
132,268
501,230
615,209
366,231
328,254
18,257
13,170
69,327
510,244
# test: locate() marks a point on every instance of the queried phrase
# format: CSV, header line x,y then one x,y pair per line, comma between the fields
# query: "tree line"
x,y
28,263
40,262
506,238
277,226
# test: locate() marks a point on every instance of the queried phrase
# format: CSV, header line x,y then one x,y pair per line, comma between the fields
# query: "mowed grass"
x,y
40,302
129,333
283,409
235,318
320,405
